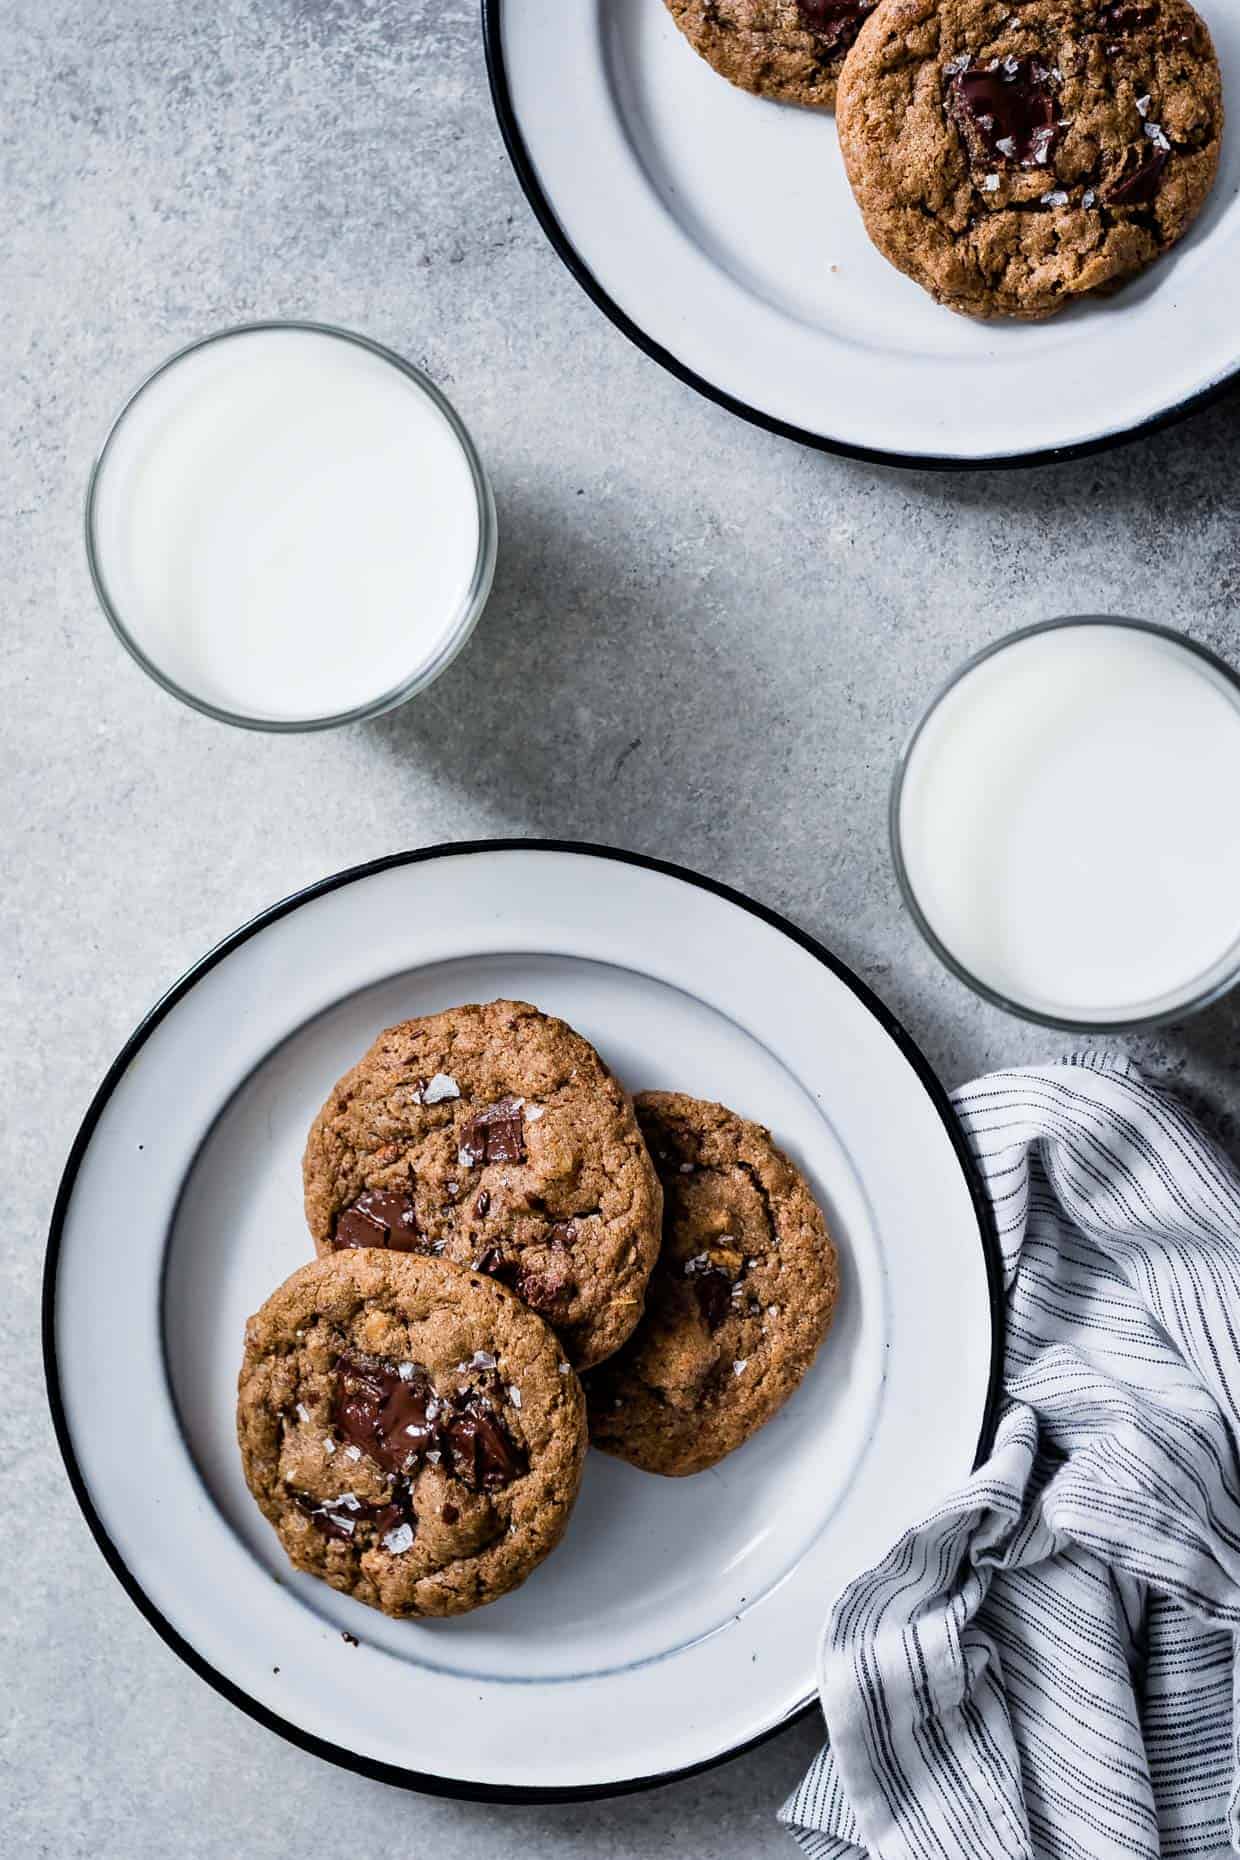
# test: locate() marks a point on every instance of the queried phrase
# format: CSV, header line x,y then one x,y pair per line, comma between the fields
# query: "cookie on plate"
x,y
1013,159
496,1137
410,1429
790,49
739,1302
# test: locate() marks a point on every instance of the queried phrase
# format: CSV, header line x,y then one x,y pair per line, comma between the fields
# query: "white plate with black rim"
x,y
678,1621
718,231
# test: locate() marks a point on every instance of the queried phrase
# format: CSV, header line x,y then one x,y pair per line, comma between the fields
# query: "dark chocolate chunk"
x,y
836,22
484,1454
482,1204
496,1135
396,1420
1122,18
713,1290
399,1510
340,1517
1007,111
332,1518
379,1217
547,1287
1139,187
449,1514
496,1266
562,1235
390,1417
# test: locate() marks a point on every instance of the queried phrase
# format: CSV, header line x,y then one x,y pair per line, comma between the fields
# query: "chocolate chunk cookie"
x,y
790,49
411,1431
1013,158
496,1137
740,1300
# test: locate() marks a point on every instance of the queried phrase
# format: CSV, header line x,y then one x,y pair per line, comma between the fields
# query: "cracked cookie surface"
x,y
410,1430
792,50
495,1137
739,1302
1014,158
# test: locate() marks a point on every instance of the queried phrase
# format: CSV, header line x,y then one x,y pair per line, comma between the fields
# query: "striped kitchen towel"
x,y
1046,1666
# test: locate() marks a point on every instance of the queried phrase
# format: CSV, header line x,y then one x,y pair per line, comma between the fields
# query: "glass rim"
x,y
455,637
1214,985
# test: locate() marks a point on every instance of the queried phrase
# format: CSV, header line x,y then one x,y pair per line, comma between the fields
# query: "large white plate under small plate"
x,y
719,231
678,1621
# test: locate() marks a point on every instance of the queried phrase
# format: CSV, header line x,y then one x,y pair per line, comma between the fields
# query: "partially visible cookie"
x,y
1013,159
496,1137
410,1430
790,49
739,1302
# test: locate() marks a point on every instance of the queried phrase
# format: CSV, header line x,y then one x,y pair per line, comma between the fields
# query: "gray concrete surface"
x,y
704,643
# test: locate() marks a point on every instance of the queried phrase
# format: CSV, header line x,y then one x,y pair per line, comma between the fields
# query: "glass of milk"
x,y
289,527
1065,822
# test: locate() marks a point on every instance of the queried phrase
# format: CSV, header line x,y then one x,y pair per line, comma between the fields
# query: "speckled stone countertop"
x,y
703,643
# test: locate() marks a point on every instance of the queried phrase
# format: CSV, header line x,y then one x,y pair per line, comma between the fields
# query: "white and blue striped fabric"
x,y
1046,1667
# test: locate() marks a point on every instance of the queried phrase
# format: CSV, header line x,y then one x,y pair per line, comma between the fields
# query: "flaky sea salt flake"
x,y
990,183
739,1365
399,1540
439,1089
1156,135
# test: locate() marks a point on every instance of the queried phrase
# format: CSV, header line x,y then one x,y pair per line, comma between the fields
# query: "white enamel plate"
x,y
718,230
677,1622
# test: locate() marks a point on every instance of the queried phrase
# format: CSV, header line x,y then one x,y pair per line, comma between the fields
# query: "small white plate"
x,y
718,231
678,1621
